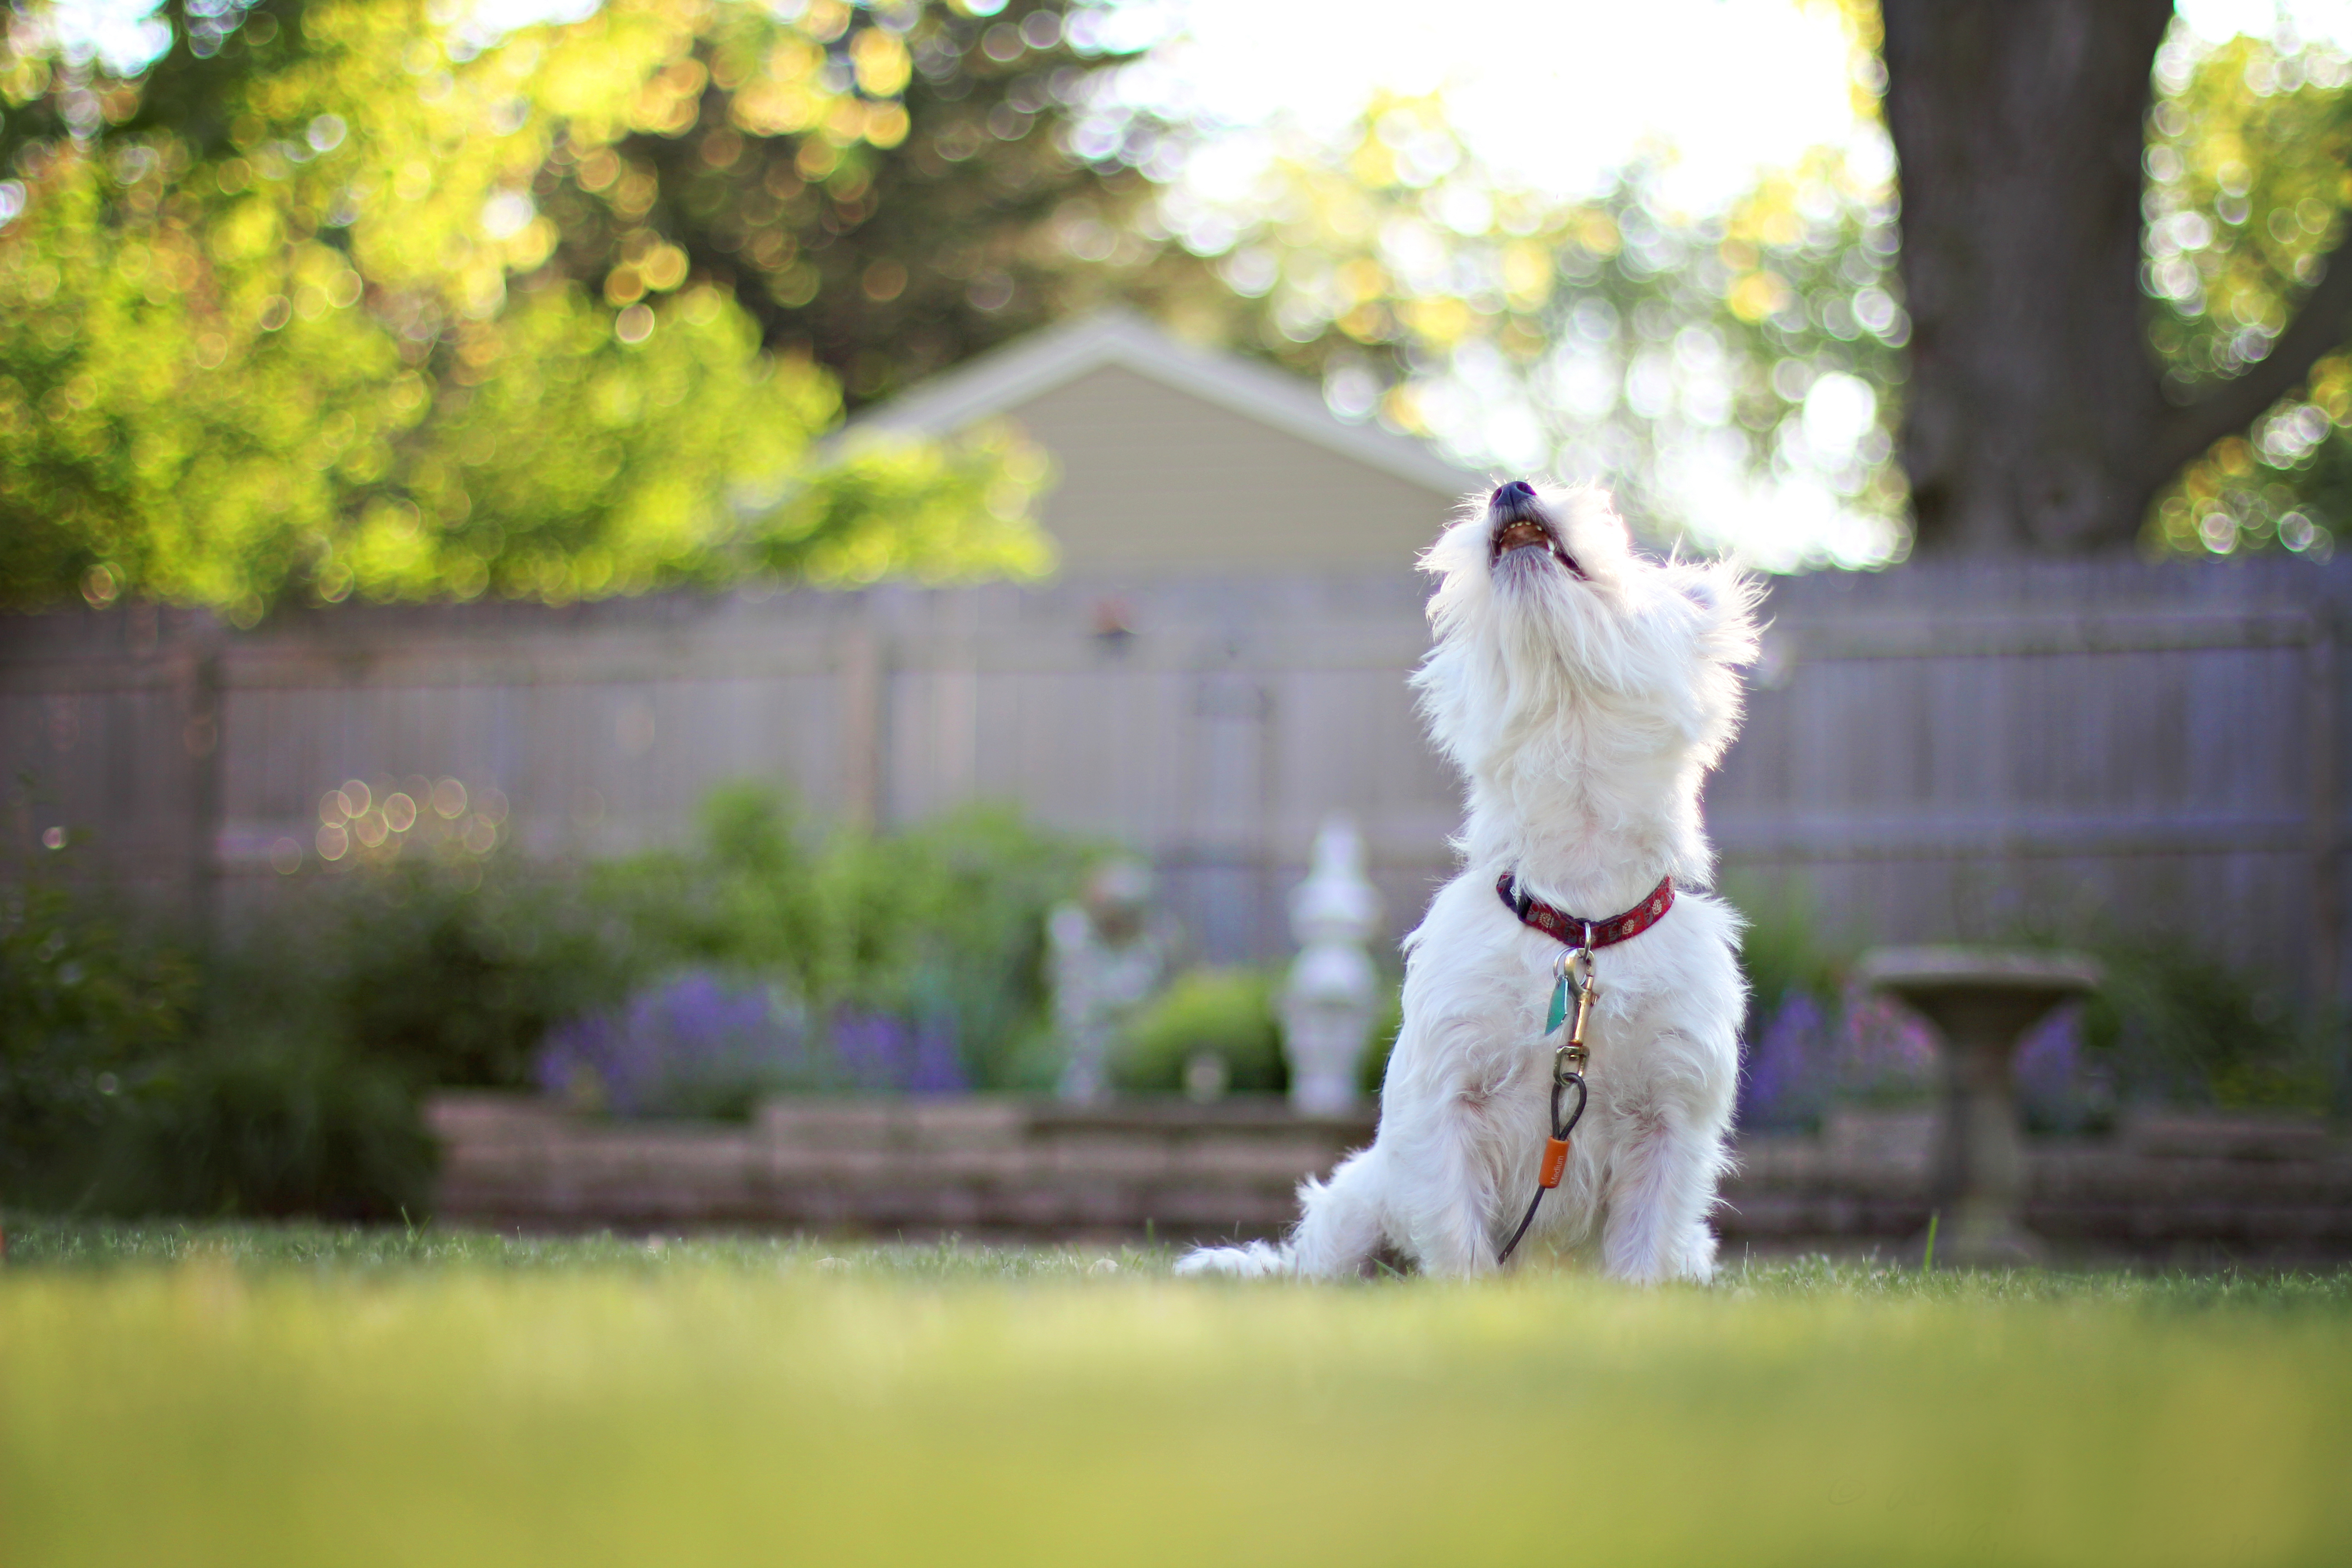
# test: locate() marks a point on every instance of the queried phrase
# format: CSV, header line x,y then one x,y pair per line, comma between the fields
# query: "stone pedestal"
x,y
1980,1002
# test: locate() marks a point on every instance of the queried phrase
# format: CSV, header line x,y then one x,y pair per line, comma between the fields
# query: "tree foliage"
x,y
1683,358
2250,171
1674,355
281,318
894,189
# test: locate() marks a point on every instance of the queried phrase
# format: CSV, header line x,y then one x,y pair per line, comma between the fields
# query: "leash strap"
x,y
1555,1155
1575,972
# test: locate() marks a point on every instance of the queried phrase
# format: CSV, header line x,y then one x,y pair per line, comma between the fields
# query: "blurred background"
x,y
634,555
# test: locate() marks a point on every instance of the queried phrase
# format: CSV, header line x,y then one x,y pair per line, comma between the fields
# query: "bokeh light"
x,y
375,823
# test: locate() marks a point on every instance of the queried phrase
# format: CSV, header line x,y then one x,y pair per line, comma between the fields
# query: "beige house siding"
x,y
1178,460
1156,480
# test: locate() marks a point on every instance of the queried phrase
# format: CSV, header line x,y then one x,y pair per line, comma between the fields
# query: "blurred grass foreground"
x,y
248,1397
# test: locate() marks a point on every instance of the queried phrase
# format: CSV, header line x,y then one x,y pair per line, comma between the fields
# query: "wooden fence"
x,y
1941,750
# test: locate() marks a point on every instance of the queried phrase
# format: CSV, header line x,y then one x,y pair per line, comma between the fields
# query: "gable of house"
x,y
1173,461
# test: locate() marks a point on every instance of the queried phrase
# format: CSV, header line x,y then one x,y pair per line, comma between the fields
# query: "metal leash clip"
x,y
1574,967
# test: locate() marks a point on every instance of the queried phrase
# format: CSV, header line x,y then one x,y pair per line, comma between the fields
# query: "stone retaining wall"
x,y
2185,1188
980,1167
2174,1188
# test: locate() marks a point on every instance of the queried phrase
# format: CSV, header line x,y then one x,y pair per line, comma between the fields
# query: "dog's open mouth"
x,y
1525,533
1516,536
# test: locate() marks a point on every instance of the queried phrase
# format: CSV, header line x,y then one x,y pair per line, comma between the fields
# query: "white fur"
x,y
1584,713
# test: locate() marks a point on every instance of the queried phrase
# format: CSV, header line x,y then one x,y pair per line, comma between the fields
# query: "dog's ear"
x,y
1726,600
1596,531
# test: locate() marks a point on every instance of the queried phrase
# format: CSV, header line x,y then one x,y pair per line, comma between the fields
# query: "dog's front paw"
x,y
1255,1261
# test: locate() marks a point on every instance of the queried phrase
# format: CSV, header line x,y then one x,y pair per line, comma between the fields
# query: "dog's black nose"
x,y
1519,488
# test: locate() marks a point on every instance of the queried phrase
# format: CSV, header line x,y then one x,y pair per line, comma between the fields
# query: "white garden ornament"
x,y
1332,996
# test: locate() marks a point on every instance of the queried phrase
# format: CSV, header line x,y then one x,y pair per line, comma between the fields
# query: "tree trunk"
x,y
2034,401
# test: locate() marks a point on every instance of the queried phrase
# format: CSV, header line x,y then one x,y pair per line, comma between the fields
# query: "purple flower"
x,y
1804,1058
1886,1050
696,1044
877,1052
702,1045
1783,1083
2055,1088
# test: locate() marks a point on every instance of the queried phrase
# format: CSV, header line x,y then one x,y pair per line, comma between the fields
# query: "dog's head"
x,y
1545,615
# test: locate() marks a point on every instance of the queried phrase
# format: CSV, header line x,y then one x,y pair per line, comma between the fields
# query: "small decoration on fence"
x,y
1334,991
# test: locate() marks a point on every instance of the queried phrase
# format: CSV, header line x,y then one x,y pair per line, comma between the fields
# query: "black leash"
x,y
1575,969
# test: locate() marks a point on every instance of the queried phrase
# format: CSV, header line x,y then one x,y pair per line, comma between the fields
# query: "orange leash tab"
x,y
1555,1163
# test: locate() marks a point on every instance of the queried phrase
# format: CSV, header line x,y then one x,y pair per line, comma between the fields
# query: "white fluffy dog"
x,y
1584,692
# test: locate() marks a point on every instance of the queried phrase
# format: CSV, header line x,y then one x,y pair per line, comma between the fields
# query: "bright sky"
x,y
2215,20
1553,94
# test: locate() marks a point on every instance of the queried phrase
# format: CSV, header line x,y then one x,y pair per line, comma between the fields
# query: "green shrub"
x,y
2172,1025
283,1073
1233,1013
450,975
974,946
1781,951
944,920
82,1002
1227,1012
1385,1029
271,1125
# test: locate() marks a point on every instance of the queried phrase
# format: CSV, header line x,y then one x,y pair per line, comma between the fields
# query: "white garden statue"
x,y
1333,998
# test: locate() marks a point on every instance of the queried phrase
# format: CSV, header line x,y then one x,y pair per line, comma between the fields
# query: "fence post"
x,y
862,718
201,738
2322,697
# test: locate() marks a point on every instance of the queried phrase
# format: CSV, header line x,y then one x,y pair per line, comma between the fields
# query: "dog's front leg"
x,y
1443,1206
1661,1179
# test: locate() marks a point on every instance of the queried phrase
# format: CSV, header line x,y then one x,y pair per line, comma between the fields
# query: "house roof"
x,y
1001,381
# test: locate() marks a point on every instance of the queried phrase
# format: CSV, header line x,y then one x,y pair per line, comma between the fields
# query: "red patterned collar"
x,y
1578,933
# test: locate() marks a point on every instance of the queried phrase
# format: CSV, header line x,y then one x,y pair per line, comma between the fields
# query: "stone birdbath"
x,y
1981,1002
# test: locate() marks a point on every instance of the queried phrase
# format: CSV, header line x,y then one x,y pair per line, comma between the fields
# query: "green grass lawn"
x,y
242,1396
